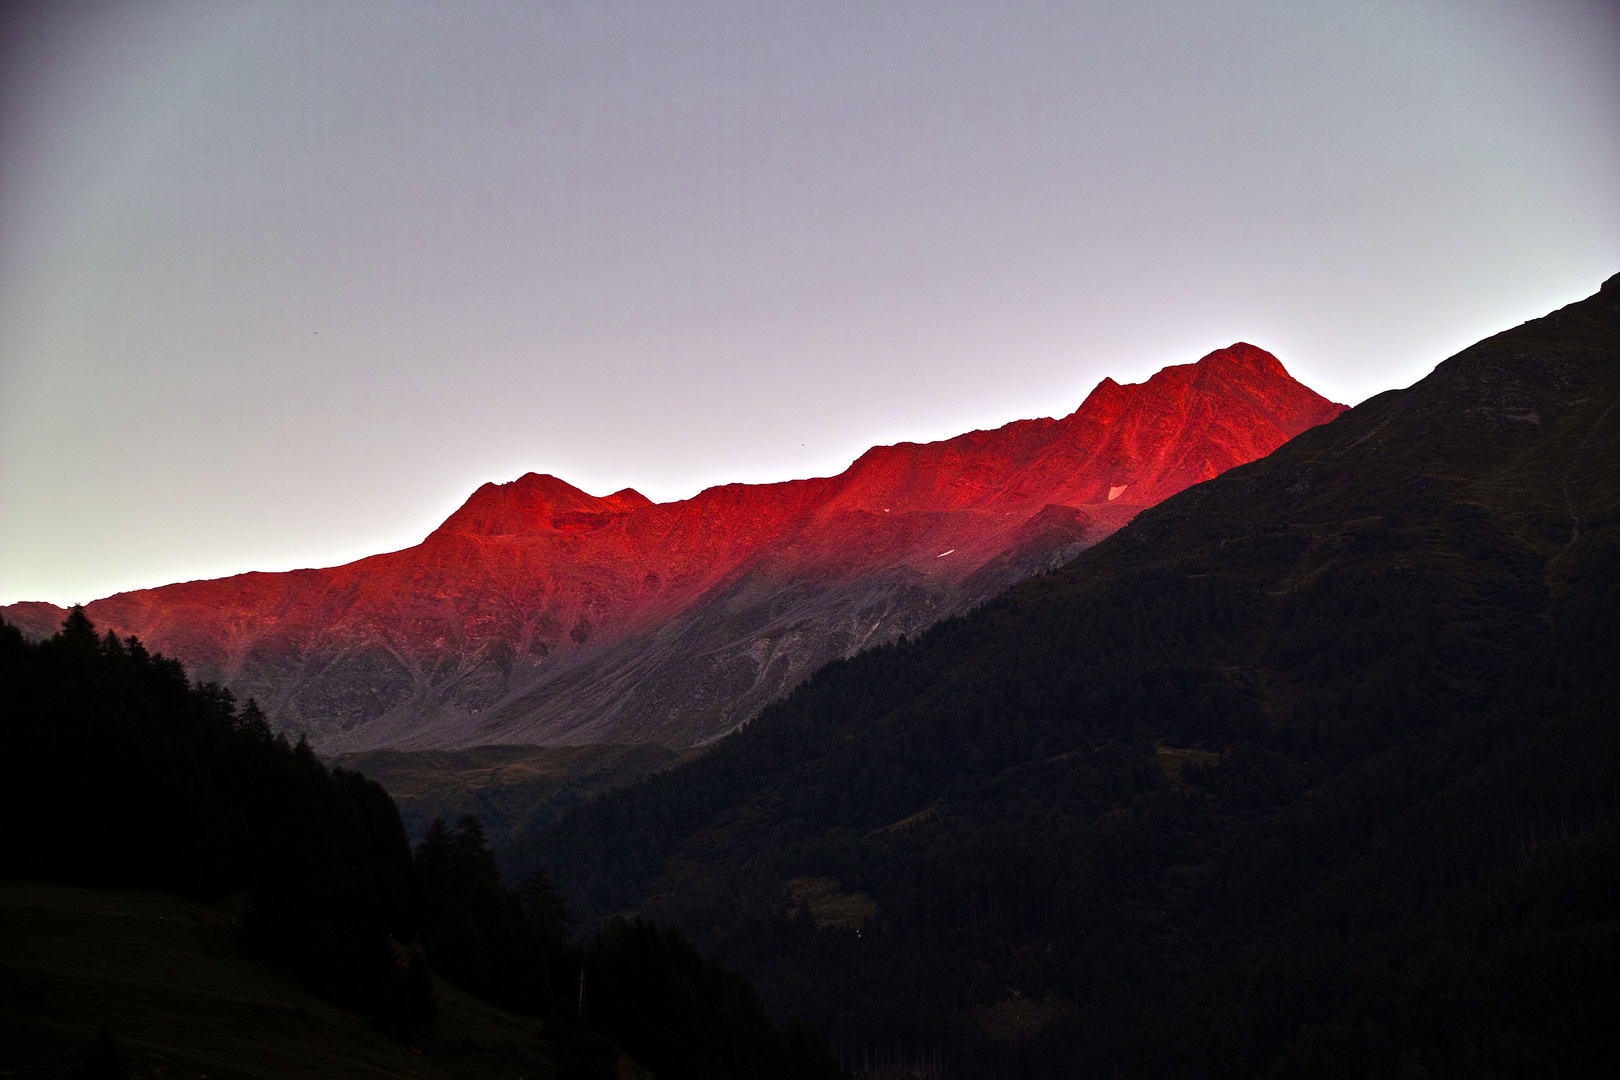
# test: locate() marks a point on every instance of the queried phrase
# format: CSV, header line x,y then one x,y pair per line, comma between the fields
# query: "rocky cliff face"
x,y
540,614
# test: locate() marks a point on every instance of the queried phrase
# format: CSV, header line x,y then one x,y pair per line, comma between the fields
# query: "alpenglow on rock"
x,y
540,614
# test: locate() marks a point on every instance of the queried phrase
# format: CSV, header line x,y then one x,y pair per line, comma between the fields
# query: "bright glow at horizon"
x,y
283,283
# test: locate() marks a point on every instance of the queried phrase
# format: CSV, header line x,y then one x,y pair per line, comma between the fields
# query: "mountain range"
x,y
540,614
1313,769
1310,769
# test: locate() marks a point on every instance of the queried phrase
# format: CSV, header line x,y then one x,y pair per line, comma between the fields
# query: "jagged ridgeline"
x,y
1313,768
540,614
117,773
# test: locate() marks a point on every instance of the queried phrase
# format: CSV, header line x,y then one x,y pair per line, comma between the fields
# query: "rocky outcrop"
x,y
538,613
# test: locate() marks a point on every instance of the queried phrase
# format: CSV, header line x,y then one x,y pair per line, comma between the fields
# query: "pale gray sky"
x,y
282,283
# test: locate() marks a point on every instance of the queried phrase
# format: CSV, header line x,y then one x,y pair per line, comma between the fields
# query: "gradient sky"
x,y
282,283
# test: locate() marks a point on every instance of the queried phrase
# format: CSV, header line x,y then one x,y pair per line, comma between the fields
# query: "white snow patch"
x,y
942,554
1116,492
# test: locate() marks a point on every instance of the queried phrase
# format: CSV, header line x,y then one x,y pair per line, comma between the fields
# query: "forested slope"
x,y
117,772
1313,769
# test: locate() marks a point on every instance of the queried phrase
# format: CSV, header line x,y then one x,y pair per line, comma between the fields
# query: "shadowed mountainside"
x,y
1312,770
540,614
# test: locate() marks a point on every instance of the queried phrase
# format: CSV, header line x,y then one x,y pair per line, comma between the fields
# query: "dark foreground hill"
x,y
180,996
1313,769
117,773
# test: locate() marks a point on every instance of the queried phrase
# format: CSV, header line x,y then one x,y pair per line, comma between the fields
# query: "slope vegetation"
x,y
1313,769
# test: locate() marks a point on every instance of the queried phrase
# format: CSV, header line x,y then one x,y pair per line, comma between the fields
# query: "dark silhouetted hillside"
x,y
117,773
1313,769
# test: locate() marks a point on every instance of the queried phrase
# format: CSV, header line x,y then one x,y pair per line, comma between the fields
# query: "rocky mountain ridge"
x,y
538,613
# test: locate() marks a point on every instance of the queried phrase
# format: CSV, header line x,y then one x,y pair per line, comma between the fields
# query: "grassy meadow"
x,y
168,980
508,788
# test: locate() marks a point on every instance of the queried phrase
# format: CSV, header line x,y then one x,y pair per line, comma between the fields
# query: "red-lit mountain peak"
x,y
1242,354
627,499
529,504
1136,442
1238,372
1139,443
539,612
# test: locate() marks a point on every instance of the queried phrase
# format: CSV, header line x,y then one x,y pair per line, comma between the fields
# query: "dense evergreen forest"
x,y
1312,770
116,771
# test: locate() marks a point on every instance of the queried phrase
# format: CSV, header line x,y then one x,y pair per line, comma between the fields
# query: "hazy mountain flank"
x,y
540,614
